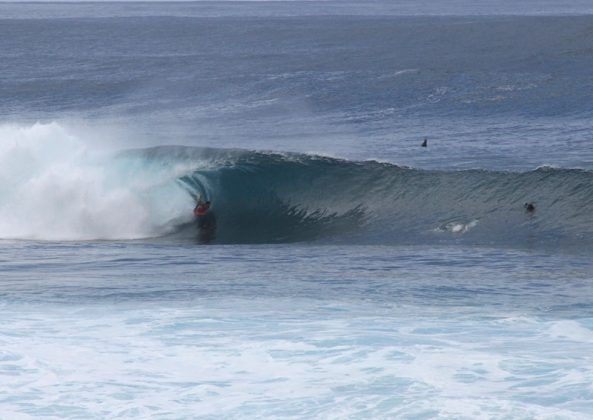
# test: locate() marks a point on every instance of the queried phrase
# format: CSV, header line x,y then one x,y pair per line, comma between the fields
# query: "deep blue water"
x,y
352,273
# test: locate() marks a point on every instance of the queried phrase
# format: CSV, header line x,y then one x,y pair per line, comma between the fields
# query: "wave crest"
x,y
52,187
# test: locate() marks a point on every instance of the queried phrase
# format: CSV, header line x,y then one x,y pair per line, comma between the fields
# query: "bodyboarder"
x,y
205,218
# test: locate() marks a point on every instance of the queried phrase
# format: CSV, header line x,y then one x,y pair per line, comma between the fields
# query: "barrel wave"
x,y
53,188
270,197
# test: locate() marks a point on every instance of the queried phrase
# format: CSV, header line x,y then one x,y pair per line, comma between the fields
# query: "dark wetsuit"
x,y
207,221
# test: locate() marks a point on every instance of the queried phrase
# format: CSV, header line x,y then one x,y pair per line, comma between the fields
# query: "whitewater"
x,y
352,273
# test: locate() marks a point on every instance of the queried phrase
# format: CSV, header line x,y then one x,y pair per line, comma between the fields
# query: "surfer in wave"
x,y
201,208
206,220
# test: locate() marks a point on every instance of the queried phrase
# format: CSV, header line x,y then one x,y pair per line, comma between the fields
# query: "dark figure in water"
x,y
529,208
206,221
425,143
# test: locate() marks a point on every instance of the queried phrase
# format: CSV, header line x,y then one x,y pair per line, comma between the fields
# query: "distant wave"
x,y
435,66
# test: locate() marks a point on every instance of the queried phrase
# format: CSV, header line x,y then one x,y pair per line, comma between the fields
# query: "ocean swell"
x,y
53,188
270,197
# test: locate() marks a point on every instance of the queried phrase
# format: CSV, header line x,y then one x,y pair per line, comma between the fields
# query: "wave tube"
x,y
53,188
267,197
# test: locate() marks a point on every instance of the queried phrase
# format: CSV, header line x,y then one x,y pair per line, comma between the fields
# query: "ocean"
x,y
351,272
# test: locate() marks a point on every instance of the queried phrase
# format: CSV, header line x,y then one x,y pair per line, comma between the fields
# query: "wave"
x,y
271,197
52,188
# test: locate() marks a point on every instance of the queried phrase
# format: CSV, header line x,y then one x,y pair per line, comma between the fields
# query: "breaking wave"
x,y
262,197
52,188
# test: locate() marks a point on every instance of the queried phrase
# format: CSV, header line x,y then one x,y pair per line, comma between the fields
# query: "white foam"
x,y
571,330
457,227
238,361
54,186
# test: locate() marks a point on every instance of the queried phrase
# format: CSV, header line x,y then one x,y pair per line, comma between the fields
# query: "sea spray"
x,y
54,187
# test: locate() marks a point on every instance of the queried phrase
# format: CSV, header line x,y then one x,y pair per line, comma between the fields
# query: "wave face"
x,y
51,187
262,197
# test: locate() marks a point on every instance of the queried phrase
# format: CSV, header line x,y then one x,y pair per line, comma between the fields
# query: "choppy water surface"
x,y
93,329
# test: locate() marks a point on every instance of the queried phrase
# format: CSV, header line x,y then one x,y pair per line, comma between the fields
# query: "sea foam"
x,y
53,186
